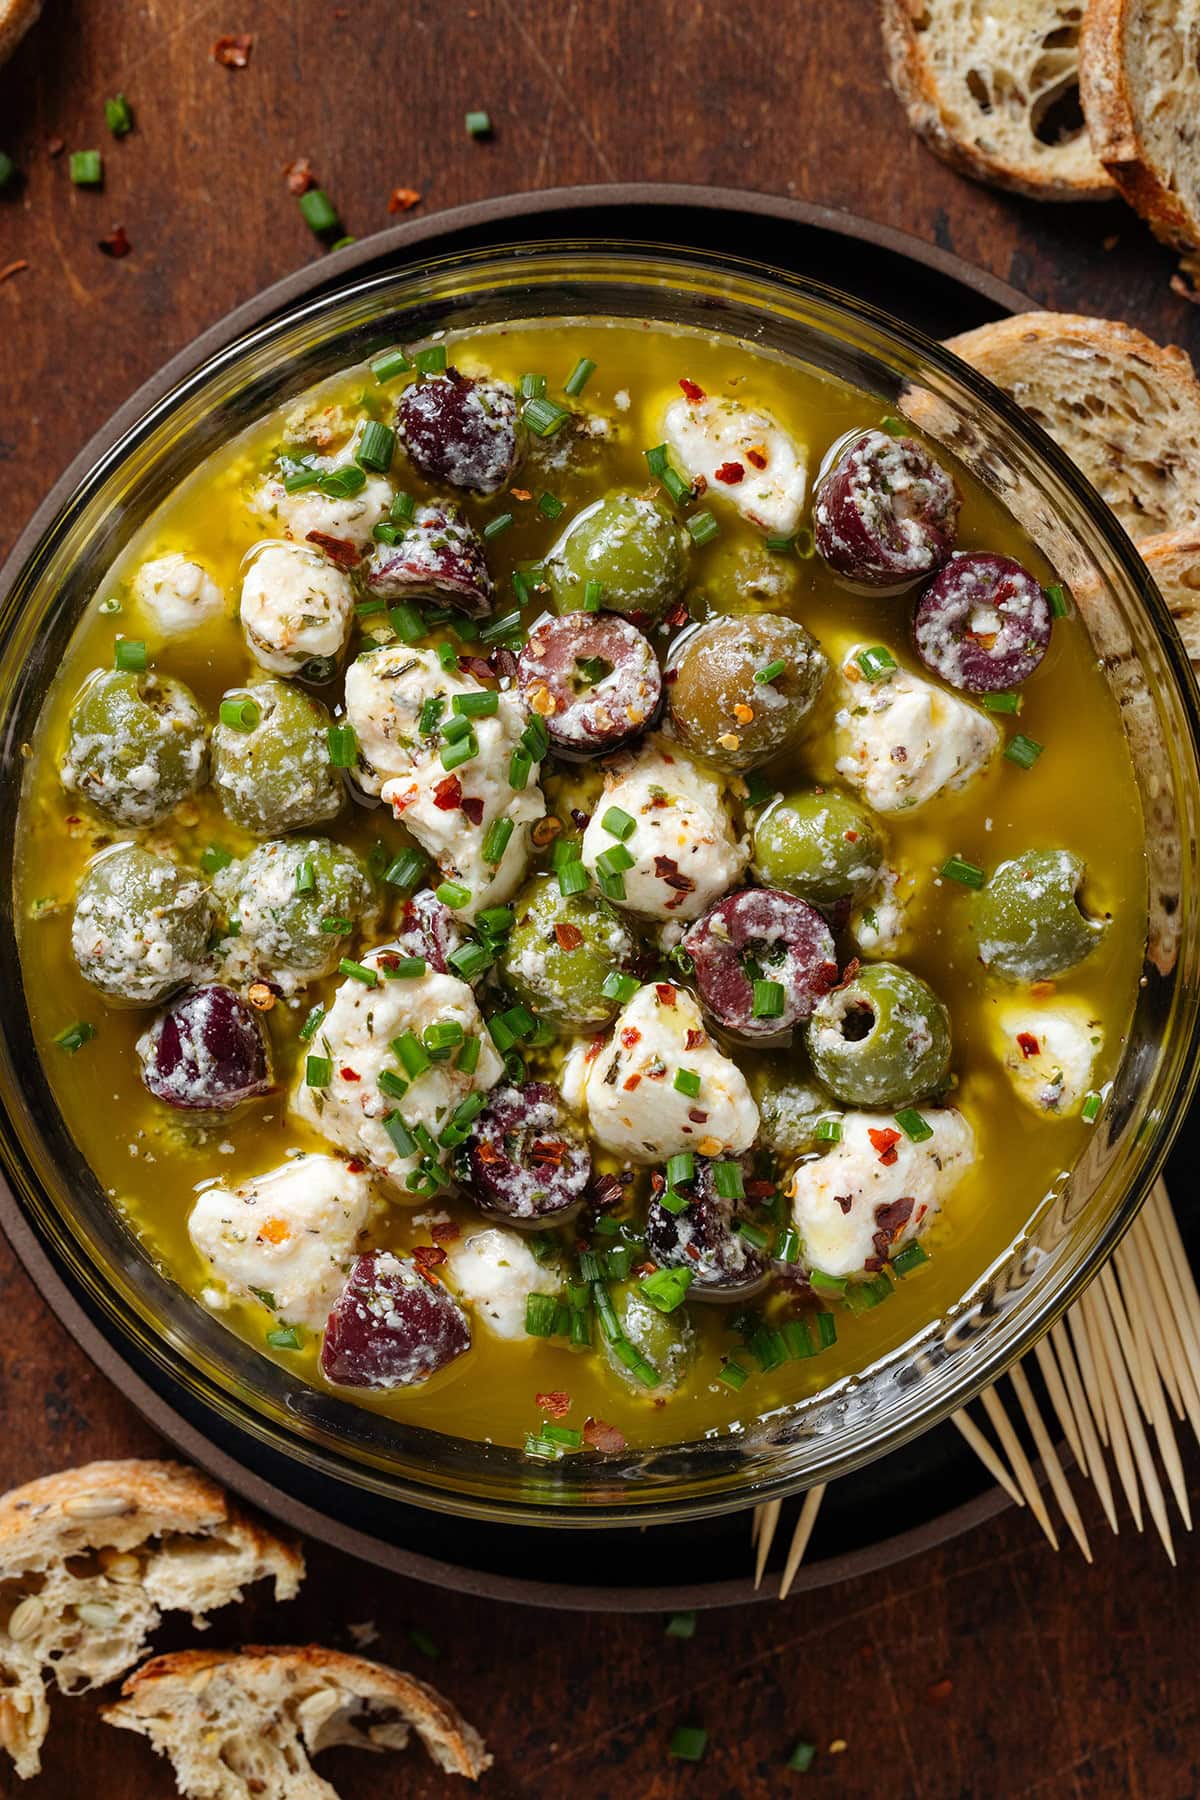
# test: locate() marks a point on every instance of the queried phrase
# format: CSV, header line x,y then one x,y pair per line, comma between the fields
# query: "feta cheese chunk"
x,y
495,1272
351,518
296,607
356,1037
629,1089
744,456
290,1234
448,813
903,740
870,1195
879,925
176,593
1048,1051
683,845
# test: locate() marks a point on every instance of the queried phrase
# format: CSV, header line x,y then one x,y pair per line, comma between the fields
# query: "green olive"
x,y
881,1039
664,1342
298,902
136,746
1028,921
822,846
718,705
790,1107
562,949
141,925
630,546
276,776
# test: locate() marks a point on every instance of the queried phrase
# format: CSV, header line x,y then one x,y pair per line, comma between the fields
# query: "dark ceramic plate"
x,y
897,1506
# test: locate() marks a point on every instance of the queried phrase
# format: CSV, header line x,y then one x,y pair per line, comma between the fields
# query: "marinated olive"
x,y
592,678
790,1108
297,608
881,1039
655,1349
272,769
428,929
206,1053
1028,920
136,746
439,557
524,1160
885,513
562,949
983,623
141,925
705,1238
763,959
298,902
739,690
460,430
392,1327
822,846
630,547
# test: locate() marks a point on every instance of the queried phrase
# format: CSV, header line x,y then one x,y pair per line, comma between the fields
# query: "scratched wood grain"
x,y
989,1669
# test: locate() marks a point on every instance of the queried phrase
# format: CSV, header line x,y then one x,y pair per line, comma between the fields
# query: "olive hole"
x,y
858,1022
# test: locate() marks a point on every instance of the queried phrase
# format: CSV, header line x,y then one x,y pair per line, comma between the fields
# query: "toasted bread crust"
x,y
1112,108
916,86
1173,558
16,16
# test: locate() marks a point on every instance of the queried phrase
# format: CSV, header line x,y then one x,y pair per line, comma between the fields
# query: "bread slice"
x,y
16,16
1173,558
242,1724
993,91
1140,86
1125,409
90,1558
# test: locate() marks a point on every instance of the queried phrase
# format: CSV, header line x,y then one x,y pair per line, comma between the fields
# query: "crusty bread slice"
x,y
993,91
1125,409
16,16
241,1725
1173,558
90,1558
1140,86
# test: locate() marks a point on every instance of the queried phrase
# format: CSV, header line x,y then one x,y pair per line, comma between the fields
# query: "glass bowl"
x,y
1074,1228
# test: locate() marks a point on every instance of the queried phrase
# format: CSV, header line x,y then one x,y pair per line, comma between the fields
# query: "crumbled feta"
x,y
352,518
296,606
744,456
176,593
495,1272
878,926
1048,1051
903,740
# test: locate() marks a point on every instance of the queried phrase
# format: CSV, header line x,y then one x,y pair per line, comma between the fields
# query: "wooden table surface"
x,y
990,1668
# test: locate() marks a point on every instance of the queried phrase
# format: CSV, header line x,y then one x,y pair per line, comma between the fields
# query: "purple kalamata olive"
x,y
755,937
705,1238
983,623
460,430
439,557
592,678
885,514
393,1325
525,1161
207,1052
428,929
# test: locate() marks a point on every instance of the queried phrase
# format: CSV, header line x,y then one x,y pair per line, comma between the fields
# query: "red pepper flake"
x,y
631,1082
631,1036
756,458
568,936
520,493
665,992
599,1436
892,1218
356,1167
486,1153
1028,1043
428,1255
445,1231
607,1191
850,973
56,146
693,1041
299,176
730,473
667,869
116,244
691,391
759,1190
387,959
593,1050
679,615
845,1201
556,1403
339,550
548,1150
233,52
940,1691
473,809
476,666
885,1142
15,268
447,795
403,199
851,837
349,1074
697,1117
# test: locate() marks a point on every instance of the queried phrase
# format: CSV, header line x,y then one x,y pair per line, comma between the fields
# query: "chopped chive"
x,y
618,823
478,125
673,1203
431,360
333,924
677,487
797,1340
306,876
477,706
768,1348
806,544
318,1071
666,1289
540,1448
495,841
781,545
822,1283
376,448
550,506
496,630
540,1310
702,527
118,116
343,483
239,715
86,168
863,1296
828,1131
578,379
470,960
614,860
681,1168
768,1000
635,1362
495,526
619,987
787,1249
908,1259
453,894
687,1082
826,1330
366,609
391,1084
611,886
453,756
518,1021
406,870
770,672
358,972
468,1057
955,869
544,417
284,1337
72,1038
656,459
532,387
430,714
494,921
131,656
1024,751
1090,1111
403,509
593,596
877,663
732,1374
892,425
401,1138
456,729
536,738
443,1034
407,622
343,746
389,365
318,211
1057,600
519,768
913,1125
1001,703
215,858
754,1234
409,968
728,1180
312,1024
300,480
802,1757
447,656
567,1435
411,1053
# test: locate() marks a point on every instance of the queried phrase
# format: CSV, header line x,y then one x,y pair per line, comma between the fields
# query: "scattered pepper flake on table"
x,y
403,199
233,50
116,244
299,176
